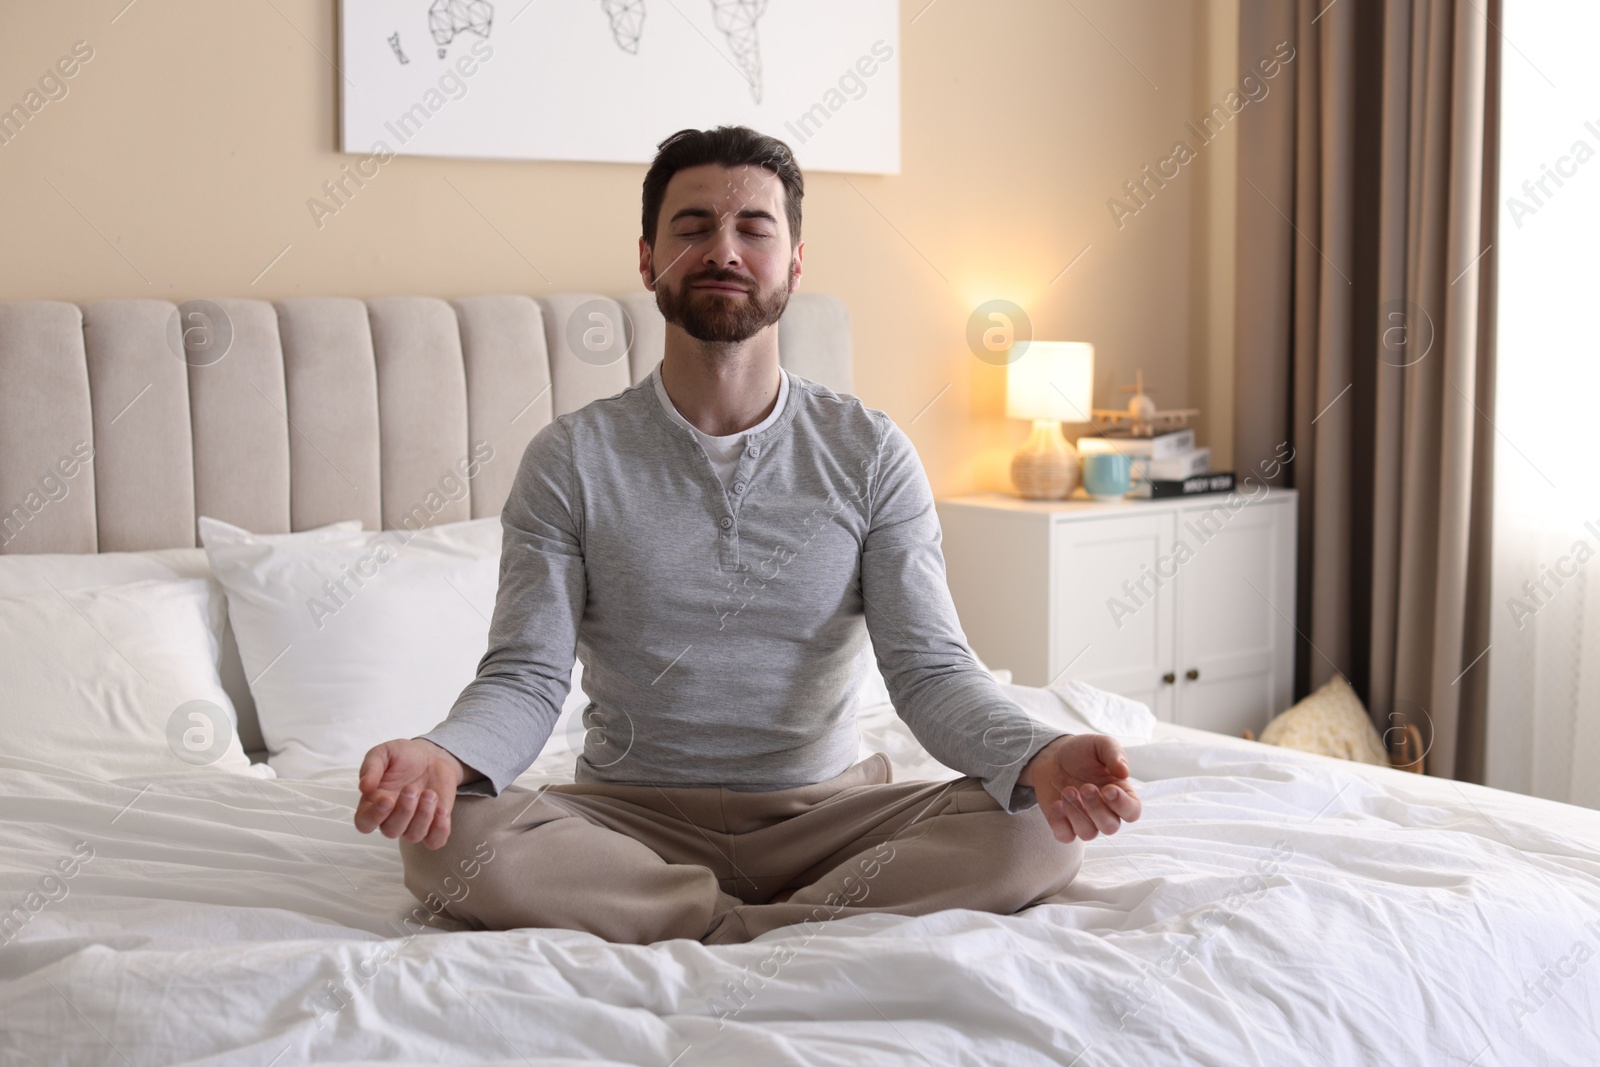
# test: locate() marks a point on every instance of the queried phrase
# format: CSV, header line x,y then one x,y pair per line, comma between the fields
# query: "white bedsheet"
x,y
1269,908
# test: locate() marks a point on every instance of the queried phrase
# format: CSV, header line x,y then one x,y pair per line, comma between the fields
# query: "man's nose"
x,y
722,250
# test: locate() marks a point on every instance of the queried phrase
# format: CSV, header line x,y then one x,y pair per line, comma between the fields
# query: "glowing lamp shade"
x,y
1051,382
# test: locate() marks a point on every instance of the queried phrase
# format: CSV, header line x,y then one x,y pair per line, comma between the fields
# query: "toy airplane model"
x,y
1141,418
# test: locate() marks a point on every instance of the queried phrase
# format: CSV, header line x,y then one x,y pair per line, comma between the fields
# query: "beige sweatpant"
x,y
637,864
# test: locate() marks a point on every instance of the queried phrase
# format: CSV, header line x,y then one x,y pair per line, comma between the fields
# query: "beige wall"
x,y
180,163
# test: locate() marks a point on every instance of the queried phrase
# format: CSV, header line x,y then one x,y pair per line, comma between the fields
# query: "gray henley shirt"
x,y
720,627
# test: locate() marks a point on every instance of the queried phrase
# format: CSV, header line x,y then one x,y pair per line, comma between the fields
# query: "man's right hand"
x,y
407,789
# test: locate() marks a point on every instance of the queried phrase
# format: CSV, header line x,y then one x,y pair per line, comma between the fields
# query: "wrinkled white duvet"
x,y
1269,908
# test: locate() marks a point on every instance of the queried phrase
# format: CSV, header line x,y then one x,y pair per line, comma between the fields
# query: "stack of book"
x,y
1166,465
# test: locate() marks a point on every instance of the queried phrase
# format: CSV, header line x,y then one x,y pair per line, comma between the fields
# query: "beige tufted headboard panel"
x,y
320,408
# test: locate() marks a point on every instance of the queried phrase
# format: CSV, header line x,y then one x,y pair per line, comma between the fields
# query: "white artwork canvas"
x,y
606,80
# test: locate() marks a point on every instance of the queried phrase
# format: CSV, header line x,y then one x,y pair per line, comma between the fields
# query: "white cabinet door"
x,y
1235,606
996,564
1105,629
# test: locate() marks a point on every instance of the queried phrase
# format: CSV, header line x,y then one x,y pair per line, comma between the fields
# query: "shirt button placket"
x,y
727,547
729,539
751,451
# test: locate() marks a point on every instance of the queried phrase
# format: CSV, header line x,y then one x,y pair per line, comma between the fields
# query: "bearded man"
x,y
717,544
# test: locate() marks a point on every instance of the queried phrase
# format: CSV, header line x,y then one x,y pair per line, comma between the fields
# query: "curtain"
x,y
1364,325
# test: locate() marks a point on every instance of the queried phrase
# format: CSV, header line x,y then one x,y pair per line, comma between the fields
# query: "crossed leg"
x,y
638,864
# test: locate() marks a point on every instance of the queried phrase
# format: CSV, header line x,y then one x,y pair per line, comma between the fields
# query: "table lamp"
x,y
1051,382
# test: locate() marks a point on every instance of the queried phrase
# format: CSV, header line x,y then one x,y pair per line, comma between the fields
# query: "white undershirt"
x,y
723,452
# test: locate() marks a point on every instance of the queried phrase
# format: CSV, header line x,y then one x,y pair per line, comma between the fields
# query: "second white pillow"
x,y
116,681
351,640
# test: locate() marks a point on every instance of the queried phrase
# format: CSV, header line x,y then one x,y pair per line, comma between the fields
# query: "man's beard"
x,y
721,318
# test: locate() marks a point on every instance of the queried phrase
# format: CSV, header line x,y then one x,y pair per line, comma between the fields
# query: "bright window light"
x,y
1547,407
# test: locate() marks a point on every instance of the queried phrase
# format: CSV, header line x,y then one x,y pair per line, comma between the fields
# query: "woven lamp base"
x,y
1045,467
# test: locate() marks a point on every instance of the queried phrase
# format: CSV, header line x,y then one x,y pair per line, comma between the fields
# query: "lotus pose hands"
x,y
1082,784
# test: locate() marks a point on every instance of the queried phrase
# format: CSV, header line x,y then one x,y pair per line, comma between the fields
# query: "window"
x,y
1545,636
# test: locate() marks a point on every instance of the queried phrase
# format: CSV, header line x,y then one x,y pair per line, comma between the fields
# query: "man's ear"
x,y
646,267
796,267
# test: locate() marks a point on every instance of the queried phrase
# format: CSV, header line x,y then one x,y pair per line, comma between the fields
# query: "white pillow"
x,y
116,681
354,638
22,574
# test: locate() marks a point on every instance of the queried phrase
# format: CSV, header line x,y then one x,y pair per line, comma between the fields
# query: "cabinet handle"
x,y
1168,678
1193,674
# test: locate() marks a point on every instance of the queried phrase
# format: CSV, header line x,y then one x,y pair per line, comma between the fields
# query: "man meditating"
x,y
716,544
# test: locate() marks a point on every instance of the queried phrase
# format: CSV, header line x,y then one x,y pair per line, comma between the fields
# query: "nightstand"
x,y
1184,604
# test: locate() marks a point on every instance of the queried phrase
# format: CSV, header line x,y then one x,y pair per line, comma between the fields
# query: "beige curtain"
x,y
1365,329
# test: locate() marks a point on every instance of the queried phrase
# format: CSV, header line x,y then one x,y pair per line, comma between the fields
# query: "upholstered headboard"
x,y
319,409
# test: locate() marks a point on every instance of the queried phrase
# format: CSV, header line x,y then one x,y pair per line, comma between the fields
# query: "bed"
x,y
1270,907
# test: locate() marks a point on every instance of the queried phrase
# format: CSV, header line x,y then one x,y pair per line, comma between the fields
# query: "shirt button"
x,y
754,450
726,522
738,487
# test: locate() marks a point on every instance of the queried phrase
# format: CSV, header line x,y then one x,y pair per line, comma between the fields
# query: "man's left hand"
x,y
1082,784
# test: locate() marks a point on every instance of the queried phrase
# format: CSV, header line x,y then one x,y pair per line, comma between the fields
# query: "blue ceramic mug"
x,y
1108,475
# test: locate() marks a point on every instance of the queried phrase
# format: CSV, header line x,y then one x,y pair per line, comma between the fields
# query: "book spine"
x,y
1172,445
1166,446
1131,447
1199,485
1186,465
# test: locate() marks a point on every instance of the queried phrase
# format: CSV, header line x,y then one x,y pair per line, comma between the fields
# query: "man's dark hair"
x,y
727,146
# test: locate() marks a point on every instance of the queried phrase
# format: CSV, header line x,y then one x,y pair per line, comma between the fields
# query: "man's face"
x,y
723,266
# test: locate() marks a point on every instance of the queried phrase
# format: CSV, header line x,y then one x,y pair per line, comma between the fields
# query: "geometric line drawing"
x,y
447,19
627,23
738,21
